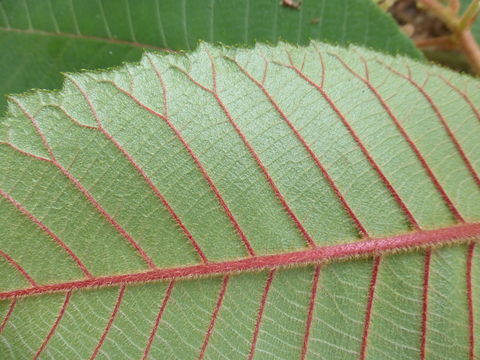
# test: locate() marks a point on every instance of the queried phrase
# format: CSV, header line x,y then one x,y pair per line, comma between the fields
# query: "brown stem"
x,y
454,5
459,26
470,14
441,42
471,49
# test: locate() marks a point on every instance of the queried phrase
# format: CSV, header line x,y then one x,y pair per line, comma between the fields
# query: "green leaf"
x,y
198,206
40,39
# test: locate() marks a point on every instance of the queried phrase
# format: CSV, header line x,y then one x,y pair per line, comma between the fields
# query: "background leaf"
x,y
254,172
40,39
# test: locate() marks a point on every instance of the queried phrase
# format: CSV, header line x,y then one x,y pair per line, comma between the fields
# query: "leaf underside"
x,y
40,39
221,158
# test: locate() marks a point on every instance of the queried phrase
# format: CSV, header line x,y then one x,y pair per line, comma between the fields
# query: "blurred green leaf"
x,y
41,38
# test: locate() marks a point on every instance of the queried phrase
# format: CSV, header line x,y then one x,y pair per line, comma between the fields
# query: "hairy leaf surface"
x,y
41,38
243,204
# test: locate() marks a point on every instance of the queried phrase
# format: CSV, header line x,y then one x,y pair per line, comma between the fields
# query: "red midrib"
x,y
369,247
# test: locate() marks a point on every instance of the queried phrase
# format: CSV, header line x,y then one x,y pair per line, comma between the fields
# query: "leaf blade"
x,y
250,152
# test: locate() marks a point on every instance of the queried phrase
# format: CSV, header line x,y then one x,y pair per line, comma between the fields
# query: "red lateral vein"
x,y
157,320
221,295
382,176
426,279
36,157
49,232
368,313
261,309
429,172
162,85
444,123
346,206
110,322
367,247
9,313
311,308
147,179
18,267
110,219
164,201
360,144
269,179
409,140
254,154
471,317
199,165
314,157
54,326
84,191
464,95
71,118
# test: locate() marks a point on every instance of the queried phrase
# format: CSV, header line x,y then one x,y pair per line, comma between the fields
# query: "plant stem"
x,y
459,26
441,42
454,5
471,49
470,14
